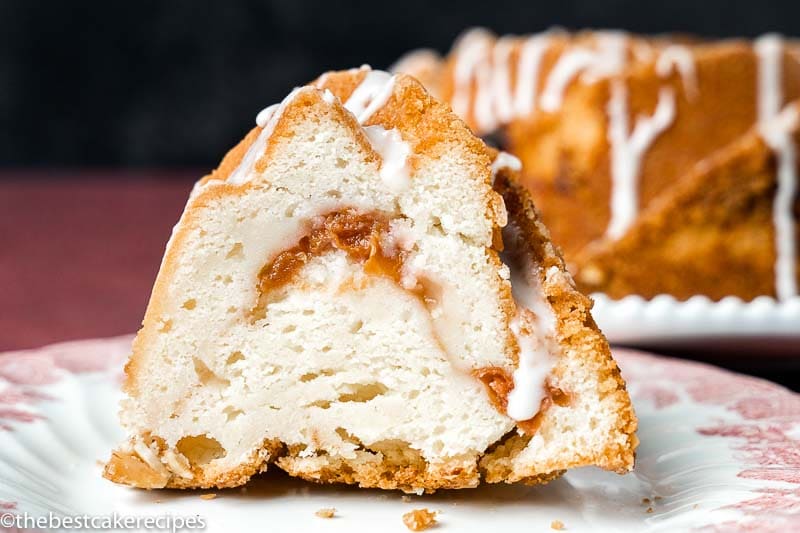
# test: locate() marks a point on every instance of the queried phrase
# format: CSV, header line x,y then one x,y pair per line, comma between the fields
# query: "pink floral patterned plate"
x,y
719,452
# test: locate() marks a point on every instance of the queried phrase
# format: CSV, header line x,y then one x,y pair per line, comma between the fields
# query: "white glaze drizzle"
x,y
502,97
371,94
266,119
535,335
328,96
611,49
627,151
769,49
394,153
642,52
482,75
484,113
505,160
775,128
528,66
567,68
526,397
607,58
265,114
679,57
471,50
474,64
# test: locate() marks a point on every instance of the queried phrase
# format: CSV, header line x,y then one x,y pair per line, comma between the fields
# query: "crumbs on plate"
x,y
558,525
419,519
326,512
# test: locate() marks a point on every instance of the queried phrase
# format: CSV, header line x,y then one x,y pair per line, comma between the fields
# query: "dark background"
x,y
176,83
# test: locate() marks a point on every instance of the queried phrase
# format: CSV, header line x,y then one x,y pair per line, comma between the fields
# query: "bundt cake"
x,y
362,293
616,132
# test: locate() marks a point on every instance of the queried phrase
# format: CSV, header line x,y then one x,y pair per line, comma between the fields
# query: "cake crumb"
x,y
658,498
645,500
419,519
558,525
326,512
209,496
405,498
649,510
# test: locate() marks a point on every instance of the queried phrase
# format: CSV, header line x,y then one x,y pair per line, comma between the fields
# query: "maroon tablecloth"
x,y
79,251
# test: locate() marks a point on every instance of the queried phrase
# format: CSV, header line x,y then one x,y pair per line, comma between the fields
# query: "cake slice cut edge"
x,y
334,301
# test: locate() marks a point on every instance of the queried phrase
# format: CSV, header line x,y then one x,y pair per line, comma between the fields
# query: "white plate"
x,y
667,321
719,452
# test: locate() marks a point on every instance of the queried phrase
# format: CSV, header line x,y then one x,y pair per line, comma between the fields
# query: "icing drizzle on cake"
x,y
608,58
482,63
394,153
368,97
473,48
501,99
679,57
267,119
505,160
775,127
534,328
531,55
484,88
628,149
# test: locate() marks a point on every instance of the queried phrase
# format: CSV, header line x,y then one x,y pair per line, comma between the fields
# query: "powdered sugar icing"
x,y
678,57
394,152
627,150
266,119
372,94
505,160
485,89
534,328
775,128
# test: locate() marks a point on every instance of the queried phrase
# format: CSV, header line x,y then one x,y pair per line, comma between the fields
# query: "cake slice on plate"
x,y
346,297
